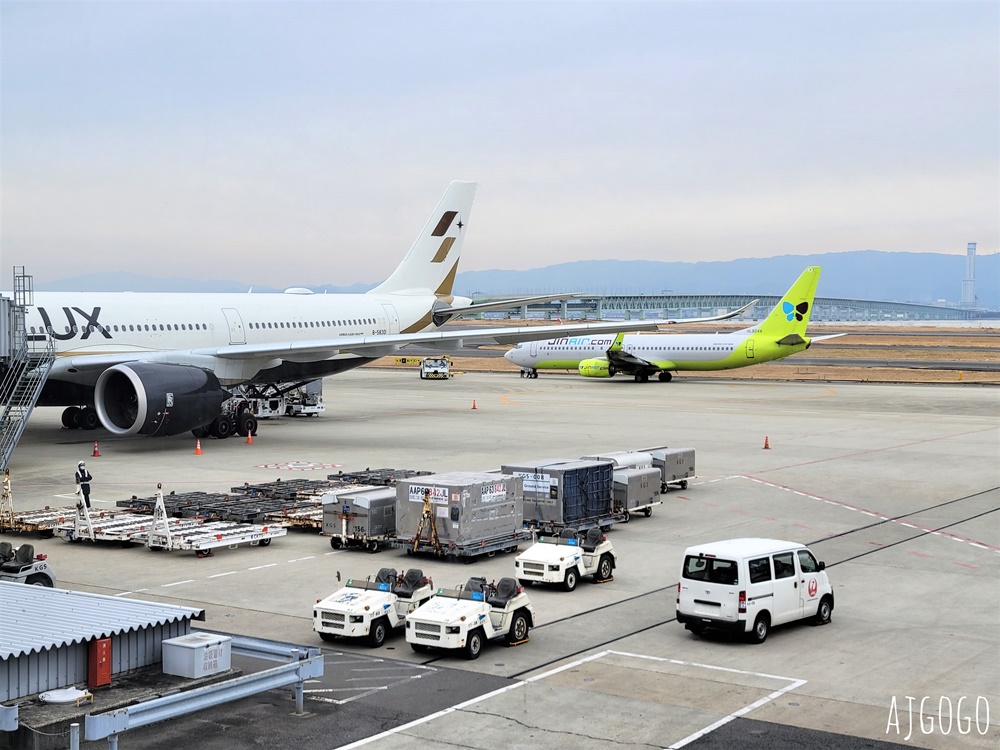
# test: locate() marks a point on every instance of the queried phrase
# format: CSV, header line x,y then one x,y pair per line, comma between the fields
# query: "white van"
x,y
747,585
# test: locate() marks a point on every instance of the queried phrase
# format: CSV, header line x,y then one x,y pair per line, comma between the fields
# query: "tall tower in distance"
x,y
969,285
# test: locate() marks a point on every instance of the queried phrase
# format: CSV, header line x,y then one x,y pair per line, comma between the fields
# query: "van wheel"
x,y
570,581
761,626
605,569
336,542
824,612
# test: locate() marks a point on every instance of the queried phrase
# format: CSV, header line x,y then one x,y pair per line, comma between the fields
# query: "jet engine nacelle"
x,y
596,368
144,398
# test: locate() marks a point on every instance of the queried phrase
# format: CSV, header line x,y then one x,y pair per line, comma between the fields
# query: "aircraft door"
x,y
533,351
237,335
393,318
750,348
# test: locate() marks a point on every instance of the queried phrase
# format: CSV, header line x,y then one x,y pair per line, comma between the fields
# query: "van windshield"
x,y
711,570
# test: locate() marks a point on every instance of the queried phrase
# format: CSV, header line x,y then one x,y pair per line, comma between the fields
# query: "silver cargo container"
x,y
360,517
676,465
637,489
469,509
559,493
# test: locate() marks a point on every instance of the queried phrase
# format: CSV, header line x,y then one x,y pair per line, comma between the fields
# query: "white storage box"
x,y
197,654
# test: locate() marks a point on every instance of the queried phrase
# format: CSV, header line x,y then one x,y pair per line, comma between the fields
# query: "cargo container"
x,y
364,518
566,493
676,465
637,490
471,514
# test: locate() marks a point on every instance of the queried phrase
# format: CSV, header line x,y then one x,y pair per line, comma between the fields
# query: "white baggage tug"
x,y
468,616
567,557
370,609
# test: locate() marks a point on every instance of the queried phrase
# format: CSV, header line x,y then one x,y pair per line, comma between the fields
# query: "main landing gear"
x,y
80,418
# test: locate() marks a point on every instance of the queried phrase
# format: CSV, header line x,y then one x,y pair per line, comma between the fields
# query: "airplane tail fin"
x,y
432,262
790,316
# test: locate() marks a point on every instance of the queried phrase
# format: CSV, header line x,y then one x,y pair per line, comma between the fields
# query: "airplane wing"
x,y
625,360
374,346
444,314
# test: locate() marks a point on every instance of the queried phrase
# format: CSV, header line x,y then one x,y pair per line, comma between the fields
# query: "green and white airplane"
x,y
641,355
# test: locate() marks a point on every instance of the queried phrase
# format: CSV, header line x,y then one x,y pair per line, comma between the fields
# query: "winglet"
x,y
617,345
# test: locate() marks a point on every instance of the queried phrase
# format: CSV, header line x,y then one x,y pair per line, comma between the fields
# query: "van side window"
x,y
807,562
784,565
760,570
711,569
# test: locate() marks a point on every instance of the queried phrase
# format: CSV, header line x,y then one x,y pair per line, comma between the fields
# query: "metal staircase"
x,y
24,365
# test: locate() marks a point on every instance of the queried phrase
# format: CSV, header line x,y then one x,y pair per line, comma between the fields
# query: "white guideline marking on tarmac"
x,y
124,593
300,559
793,684
176,583
261,567
856,509
230,573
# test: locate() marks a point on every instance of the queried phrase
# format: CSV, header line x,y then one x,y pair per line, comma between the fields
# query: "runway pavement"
x,y
896,487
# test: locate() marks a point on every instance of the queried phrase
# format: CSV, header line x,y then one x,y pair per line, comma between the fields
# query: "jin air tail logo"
x,y
794,312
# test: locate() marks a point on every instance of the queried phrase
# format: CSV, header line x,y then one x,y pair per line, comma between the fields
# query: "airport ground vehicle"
x,y
466,617
369,609
746,586
251,403
21,565
566,558
435,368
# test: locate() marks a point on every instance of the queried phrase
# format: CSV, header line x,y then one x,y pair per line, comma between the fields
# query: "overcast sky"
x,y
306,142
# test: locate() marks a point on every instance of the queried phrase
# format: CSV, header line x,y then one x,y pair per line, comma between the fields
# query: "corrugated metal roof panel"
x,y
35,618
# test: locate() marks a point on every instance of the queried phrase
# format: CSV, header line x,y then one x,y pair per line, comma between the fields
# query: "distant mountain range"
x,y
927,278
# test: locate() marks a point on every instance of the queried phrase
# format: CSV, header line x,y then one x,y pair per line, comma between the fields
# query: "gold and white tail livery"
x,y
430,266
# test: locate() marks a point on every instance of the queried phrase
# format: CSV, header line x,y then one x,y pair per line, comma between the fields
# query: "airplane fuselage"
x,y
193,326
668,352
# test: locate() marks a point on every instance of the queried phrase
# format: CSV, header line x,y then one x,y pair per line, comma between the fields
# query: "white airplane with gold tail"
x,y
781,334
159,364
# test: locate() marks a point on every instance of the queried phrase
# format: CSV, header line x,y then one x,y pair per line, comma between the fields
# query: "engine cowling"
x,y
596,368
145,398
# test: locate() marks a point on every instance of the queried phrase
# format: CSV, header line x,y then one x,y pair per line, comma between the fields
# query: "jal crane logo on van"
x,y
813,586
794,312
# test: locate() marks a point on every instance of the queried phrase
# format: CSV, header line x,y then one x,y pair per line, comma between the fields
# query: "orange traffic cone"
x,y
767,445
96,452
197,448
249,439
473,403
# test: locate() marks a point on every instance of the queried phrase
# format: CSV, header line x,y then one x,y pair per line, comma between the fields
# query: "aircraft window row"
x,y
193,326
315,324
122,328
687,348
